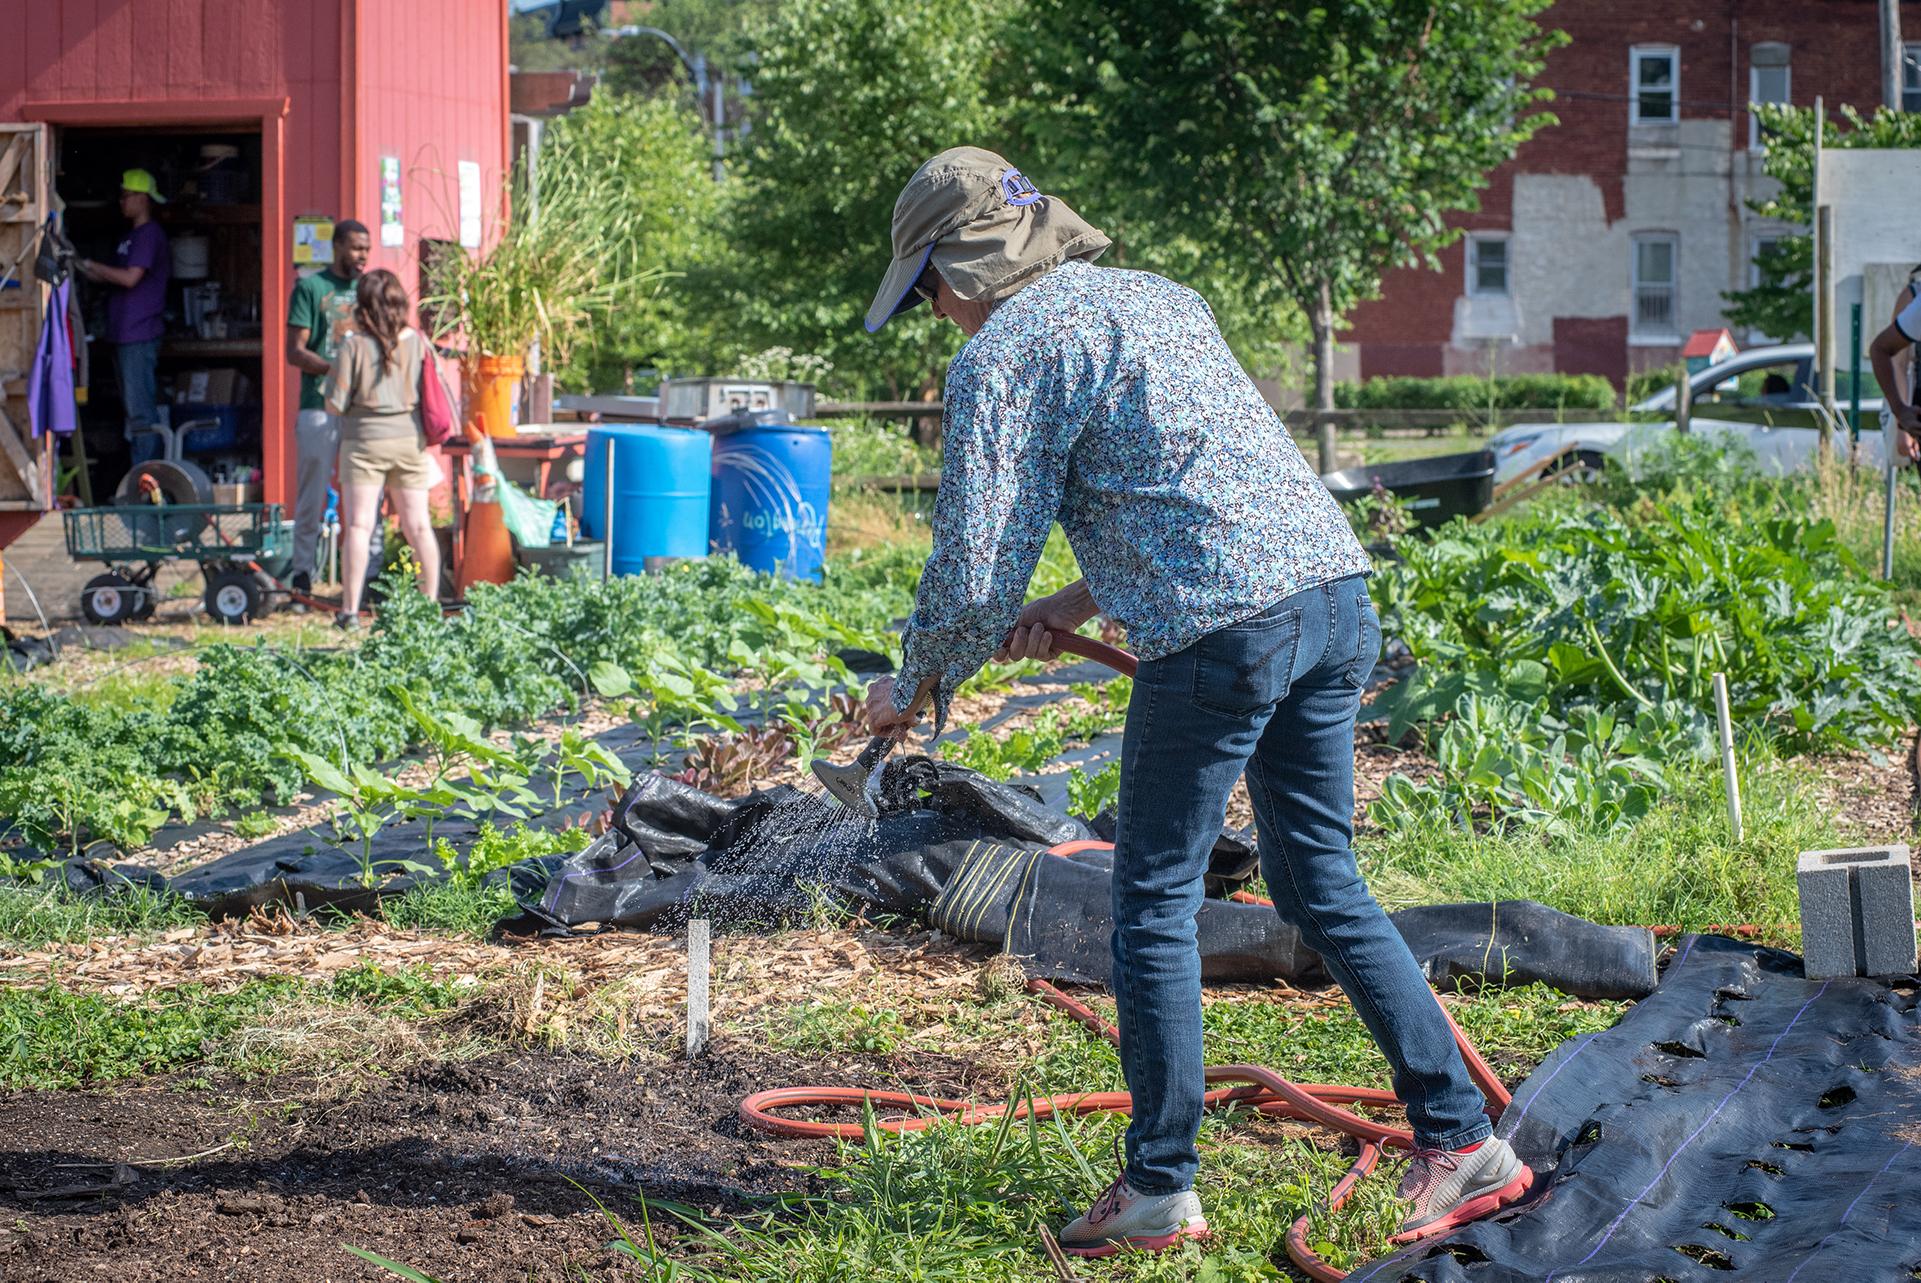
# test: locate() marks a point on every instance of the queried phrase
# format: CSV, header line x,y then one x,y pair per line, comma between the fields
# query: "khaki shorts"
x,y
398,463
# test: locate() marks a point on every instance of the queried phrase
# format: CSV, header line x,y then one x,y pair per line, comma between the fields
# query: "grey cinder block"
x,y
1857,912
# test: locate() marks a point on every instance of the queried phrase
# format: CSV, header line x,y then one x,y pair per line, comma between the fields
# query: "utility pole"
x,y
1891,60
1891,55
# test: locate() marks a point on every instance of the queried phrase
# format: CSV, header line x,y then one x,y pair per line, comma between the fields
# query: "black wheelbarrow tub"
x,y
1437,489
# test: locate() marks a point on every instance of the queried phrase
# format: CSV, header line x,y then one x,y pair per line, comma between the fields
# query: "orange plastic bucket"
x,y
493,383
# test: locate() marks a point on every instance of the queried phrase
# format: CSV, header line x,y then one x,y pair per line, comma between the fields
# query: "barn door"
x,y
25,168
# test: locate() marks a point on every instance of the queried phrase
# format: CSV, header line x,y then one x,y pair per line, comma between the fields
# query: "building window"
x,y
1487,265
1656,258
1767,82
1654,85
1757,246
1911,77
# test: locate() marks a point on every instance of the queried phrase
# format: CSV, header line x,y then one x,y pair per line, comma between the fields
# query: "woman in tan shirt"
x,y
375,389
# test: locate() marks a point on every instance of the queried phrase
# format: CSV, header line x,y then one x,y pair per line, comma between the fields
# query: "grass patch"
x,y
453,908
52,1037
34,916
841,1027
368,1019
1677,864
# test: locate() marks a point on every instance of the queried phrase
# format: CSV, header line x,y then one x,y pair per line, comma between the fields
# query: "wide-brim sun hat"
x,y
983,226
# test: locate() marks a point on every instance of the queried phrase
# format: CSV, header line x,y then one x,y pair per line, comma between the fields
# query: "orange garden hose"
x,y
1238,1086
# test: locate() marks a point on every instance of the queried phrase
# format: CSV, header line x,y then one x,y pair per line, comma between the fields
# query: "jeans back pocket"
x,y
1243,668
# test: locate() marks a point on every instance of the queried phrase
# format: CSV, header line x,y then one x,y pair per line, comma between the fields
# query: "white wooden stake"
x,y
699,1022
1727,753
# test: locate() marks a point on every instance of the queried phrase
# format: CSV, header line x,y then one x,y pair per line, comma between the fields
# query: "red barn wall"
x,y
431,90
424,80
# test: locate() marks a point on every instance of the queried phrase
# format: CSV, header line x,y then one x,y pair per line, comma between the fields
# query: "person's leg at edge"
x,y
316,443
139,389
1179,762
416,526
1301,782
360,508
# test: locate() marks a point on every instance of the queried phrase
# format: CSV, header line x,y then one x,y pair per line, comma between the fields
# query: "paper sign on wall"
x,y
469,204
313,241
392,231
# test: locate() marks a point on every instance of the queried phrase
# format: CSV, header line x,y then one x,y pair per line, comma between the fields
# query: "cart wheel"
x,y
234,596
272,595
143,603
110,599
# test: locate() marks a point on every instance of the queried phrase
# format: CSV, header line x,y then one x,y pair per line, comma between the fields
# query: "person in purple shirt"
x,y
138,274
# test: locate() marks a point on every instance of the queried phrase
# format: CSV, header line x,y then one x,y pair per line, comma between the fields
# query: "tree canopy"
x,y
1307,149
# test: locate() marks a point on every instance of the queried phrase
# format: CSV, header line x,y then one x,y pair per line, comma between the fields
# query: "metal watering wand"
x,y
856,786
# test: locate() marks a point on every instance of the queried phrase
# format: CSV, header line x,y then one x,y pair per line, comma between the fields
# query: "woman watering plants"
x,y
1108,400
374,387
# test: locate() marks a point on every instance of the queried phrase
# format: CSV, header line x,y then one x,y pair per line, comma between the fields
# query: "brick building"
x,y
1613,234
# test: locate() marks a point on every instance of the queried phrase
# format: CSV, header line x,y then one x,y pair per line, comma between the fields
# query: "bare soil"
x,y
460,1170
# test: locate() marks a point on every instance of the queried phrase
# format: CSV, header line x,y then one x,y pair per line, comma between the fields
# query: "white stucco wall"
x,y
1566,259
1875,195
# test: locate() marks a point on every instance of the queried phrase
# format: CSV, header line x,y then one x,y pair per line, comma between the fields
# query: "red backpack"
x,y
437,421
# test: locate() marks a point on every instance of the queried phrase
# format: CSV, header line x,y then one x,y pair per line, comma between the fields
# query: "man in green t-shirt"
x,y
320,312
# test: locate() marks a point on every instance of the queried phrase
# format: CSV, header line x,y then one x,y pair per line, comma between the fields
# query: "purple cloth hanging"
x,y
50,405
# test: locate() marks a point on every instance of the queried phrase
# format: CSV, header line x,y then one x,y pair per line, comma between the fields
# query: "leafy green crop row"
x,y
1572,651
235,727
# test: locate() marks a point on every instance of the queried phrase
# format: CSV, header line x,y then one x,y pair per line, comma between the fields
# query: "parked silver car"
x,y
1763,398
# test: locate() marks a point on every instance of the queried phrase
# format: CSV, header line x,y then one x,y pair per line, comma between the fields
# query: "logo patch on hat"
x,y
1017,190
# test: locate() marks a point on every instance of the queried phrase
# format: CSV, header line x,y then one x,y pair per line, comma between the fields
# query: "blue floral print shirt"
x,y
1108,399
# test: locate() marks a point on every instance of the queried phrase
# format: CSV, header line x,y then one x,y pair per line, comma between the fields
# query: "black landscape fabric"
x,y
971,857
968,855
1742,1122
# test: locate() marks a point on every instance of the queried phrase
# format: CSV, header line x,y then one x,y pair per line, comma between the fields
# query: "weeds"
x,y
34,916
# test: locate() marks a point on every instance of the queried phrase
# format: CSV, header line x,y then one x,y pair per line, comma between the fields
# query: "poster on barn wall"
x,y
470,204
392,231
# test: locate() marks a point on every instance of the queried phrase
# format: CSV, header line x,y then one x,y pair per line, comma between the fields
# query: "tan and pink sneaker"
x,y
1124,1217
1450,1188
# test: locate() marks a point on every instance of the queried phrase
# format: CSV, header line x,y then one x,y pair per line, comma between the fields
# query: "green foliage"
x,y
1305,150
494,849
247,722
655,151
1025,751
850,97
1678,863
1778,303
839,1027
877,447
569,258
1470,395
412,991
1642,384
464,908
1089,795
1380,516
53,1037
1573,650
33,916
1588,609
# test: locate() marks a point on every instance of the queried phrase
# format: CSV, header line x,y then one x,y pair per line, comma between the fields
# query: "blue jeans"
x,y
1274,696
139,392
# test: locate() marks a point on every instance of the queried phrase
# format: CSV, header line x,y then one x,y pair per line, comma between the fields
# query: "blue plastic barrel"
x,y
661,483
769,503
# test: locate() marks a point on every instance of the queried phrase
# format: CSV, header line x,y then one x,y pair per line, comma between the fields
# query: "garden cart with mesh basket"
x,y
229,540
